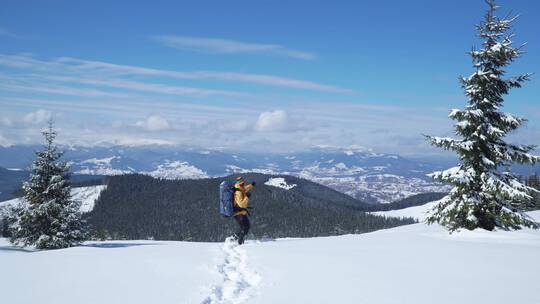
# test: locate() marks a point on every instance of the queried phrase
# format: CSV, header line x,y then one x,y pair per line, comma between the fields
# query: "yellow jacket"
x,y
241,199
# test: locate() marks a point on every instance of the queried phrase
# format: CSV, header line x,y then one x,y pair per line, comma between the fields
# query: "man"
x,y
241,202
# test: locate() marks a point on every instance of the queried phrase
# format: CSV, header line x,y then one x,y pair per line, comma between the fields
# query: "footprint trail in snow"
x,y
239,282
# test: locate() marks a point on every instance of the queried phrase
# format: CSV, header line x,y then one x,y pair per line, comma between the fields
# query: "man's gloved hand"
x,y
253,183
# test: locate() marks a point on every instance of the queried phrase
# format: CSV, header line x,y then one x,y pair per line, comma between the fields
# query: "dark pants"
x,y
243,229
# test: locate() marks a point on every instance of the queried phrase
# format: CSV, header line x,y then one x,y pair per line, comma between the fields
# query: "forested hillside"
x,y
141,207
11,182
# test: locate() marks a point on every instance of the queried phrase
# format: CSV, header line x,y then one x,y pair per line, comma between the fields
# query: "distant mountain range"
x,y
360,173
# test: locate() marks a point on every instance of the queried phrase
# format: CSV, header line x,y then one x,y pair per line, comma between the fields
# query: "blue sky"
x,y
272,75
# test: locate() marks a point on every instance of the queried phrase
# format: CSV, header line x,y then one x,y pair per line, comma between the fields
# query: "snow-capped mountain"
x,y
176,170
359,172
102,166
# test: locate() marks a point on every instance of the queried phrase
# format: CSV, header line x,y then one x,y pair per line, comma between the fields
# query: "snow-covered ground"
x,y
86,195
417,212
109,272
409,264
420,212
279,182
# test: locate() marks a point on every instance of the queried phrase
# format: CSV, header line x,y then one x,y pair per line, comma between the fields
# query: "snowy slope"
x,y
86,195
415,264
420,212
417,212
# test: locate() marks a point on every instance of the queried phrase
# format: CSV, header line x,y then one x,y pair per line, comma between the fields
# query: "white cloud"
x,y
4,142
154,123
230,46
307,121
86,68
6,121
38,117
60,90
274,121
234,125
251,124
145,86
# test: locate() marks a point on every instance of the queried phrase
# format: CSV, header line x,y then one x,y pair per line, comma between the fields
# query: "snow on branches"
x,y
486,194
47,217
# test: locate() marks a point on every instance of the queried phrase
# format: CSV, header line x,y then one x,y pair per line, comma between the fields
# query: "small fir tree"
x,y
47,218
486,193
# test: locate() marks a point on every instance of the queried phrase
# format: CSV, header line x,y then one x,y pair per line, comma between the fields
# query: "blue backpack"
x,y
226,198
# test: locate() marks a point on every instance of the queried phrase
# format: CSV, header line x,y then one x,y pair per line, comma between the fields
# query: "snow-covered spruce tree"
x,y
47,218
486,193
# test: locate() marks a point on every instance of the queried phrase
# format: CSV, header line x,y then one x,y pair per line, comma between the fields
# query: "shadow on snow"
x,y
118,245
